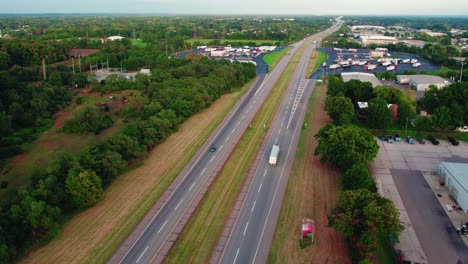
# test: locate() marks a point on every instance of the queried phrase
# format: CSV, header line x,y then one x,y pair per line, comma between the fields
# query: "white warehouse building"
x,y
455,177
421,82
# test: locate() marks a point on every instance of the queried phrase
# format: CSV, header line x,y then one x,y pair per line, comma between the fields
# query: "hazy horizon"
x,y
239,7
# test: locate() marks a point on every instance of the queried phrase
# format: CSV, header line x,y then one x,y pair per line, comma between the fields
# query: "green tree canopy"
x,y
442,118
361,216
84,188
358,177
345,146
380,116
340,109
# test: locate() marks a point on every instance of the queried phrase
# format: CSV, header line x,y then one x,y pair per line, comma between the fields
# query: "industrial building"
x,y
421,82
455,177
379,40
363,77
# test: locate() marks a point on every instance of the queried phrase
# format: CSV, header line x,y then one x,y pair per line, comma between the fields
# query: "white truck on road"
x,y
274,155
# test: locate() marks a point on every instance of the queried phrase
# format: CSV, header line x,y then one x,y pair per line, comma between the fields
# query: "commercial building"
x,y
379,40
421,82
455,177
363,77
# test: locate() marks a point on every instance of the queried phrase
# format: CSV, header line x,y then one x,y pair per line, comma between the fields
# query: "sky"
x,y
241,7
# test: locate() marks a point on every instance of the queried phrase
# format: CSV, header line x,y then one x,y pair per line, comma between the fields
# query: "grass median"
x,y
317,59
275,57
202,232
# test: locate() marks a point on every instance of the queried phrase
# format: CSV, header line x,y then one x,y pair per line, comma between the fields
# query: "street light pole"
x,y
461,72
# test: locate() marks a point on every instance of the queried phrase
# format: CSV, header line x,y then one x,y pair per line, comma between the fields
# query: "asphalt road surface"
x,y
435,231
251,237
146,247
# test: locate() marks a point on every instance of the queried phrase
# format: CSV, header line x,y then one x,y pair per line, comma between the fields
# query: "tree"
x,y
442,118
379,115
84,188
361,216
358,177
405,113
423,123
340,109
335,86
359,91
345,146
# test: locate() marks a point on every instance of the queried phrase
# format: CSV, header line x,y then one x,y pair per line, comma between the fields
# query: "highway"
x,y
150,244
253,231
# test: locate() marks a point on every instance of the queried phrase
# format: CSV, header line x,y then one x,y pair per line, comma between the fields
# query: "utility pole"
x,y
73,65
44,69
461,72
79,62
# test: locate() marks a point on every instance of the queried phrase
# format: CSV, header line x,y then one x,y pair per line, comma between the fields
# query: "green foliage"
x,y
335,86
84,188
379,115
345,146
359,91
341,110
423,123
88,119
405,113
358,177
442,118
361,216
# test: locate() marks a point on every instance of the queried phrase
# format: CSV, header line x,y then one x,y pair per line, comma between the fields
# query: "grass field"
x,y
273,58
316,60
200,236
93,235
53,142
256,41
312,192
139,43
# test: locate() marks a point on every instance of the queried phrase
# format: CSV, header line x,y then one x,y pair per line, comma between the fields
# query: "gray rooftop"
x,y
459,172
423,79
363,77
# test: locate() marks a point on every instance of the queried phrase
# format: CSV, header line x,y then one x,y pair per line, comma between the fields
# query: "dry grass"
x,y
92,236
199,238
311,193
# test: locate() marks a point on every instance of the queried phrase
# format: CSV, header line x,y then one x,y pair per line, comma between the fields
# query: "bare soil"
x,y
312,192
93,235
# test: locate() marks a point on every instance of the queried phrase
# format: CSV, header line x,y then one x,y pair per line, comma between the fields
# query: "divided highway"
x,y
253,231
149,245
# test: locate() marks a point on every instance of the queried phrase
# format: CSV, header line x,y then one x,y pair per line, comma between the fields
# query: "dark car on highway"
x,y
433,140
453,141
213,148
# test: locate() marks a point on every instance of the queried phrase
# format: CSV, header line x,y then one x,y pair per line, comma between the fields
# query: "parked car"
x,y
397,138
213,148
390,139
382,137
410,140
453,141
421,141
433,140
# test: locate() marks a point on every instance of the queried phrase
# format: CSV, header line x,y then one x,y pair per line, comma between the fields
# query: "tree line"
x,y
361,215
71,183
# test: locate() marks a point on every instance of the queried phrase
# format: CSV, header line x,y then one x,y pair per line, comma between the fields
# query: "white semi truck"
x,y
274,155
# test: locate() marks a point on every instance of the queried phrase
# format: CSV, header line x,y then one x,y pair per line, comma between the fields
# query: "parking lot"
x,y
406,174
362,55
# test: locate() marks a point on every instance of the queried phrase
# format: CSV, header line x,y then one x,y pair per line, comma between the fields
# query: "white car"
x,y
463,129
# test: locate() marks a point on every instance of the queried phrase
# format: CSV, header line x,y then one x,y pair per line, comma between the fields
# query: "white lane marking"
x,y
276,141
237,253
279,131
178,204
245,229
212,159
227,138
238,123
253,206
265,173
203,171
142,254
162,227
243,116
192,186
259,188
220,148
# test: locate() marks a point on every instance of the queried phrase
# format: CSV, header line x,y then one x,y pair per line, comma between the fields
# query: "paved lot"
x,y
405,174
361,55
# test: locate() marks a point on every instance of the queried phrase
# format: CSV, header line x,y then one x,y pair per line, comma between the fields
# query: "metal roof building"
x,y
363,77
422,82
455,177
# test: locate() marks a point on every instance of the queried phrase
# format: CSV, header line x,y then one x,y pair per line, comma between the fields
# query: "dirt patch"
x,y
311,193
59,119
91,236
